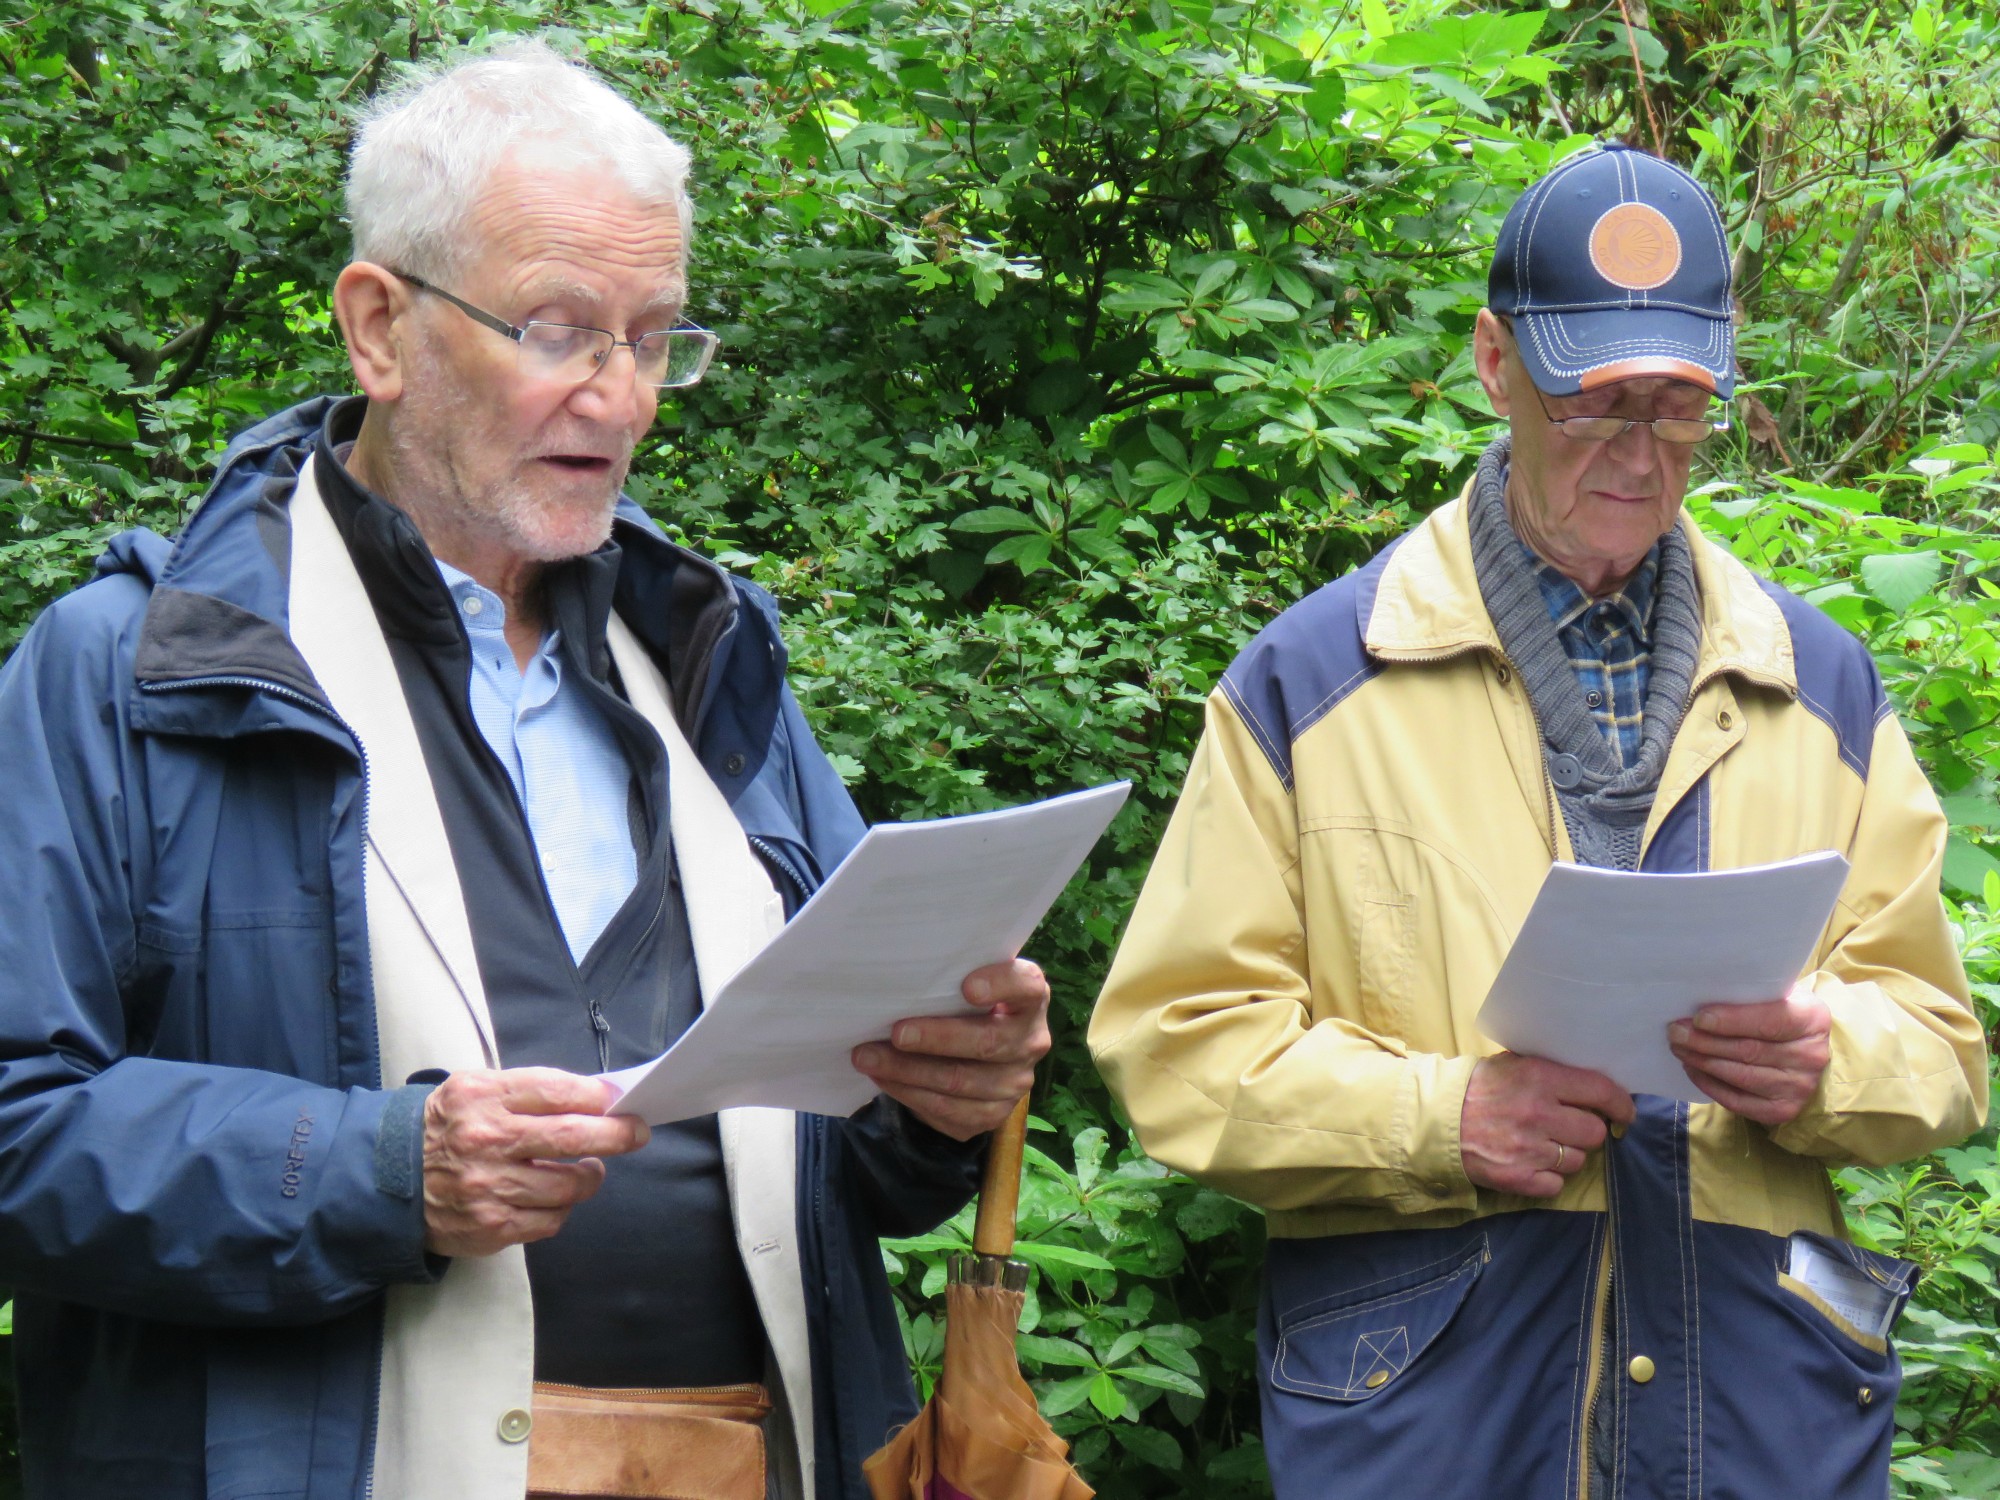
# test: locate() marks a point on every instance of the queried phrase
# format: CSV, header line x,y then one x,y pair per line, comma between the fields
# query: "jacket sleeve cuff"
x,y
911,1176
1434,1173
399,1177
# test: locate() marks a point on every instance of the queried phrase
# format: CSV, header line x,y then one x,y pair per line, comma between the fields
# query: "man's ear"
x,y
370,303
1489,360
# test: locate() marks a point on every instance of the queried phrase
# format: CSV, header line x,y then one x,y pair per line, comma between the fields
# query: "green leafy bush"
x,y
1066,342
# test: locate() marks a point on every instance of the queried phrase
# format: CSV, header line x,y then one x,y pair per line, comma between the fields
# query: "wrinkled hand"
x,y
508,1154
963,1074
1529,1124
1761,1060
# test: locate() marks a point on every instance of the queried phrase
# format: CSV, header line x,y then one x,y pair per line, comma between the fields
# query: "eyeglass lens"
x,y
673,357
1667,429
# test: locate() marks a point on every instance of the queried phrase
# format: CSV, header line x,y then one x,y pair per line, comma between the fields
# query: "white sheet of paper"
x,y
895,930
1868,1305
1607,959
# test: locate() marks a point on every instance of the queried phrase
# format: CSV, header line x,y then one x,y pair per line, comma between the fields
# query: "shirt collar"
x,y
1568,603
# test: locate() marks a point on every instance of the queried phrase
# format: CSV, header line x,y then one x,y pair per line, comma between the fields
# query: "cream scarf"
x,y
458,1356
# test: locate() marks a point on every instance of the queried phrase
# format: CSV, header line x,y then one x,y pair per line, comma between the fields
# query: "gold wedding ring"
x,y
1562,1156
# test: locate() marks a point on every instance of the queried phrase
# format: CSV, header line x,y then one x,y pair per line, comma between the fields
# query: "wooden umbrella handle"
x,y
1000,1190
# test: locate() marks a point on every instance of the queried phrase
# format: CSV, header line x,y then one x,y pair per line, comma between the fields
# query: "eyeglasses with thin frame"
x,y
672,359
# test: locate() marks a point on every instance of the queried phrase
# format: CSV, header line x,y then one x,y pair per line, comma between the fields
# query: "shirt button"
x,y
1565,770
1595,700
1642,1368
473,604
733,763
515,1426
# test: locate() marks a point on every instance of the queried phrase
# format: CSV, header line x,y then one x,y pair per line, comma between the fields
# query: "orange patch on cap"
x,y
1632,369
1634,246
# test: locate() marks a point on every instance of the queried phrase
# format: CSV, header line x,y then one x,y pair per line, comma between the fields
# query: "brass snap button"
x,y
1642,1368
1725,718
1504,674
515,1425
1865,1395
1376,1379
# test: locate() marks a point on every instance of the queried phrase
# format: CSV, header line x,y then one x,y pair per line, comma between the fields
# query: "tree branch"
x,y
1903,392
191,345
35,435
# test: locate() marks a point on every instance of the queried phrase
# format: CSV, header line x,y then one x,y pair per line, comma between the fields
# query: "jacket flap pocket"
x,y
1353,1346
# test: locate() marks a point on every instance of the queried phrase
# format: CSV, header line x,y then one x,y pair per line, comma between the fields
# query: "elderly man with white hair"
x,y
420,780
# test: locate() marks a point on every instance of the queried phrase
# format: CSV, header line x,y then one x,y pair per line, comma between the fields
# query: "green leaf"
x,y
1149,1444
1037,1253
1166,1380
1055,1351
1899,579
1031,553
994,518
1107,1398
1966,865
1067,1395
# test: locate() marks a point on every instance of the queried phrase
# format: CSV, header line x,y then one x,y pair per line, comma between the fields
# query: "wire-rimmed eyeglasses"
x,y
671,359
1604,429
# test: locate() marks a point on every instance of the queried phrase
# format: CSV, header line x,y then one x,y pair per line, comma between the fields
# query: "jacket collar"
x,y
219,612
1427,605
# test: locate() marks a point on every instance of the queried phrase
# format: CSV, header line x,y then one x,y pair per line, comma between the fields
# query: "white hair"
x,y
426,148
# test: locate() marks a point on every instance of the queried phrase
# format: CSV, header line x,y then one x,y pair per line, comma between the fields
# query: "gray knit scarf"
x,y
1606,804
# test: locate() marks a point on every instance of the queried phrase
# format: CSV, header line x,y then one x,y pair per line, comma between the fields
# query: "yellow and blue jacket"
x,y
1291,1018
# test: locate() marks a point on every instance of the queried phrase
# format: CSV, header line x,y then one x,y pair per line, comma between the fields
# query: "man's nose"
x,y
614,393
1636,448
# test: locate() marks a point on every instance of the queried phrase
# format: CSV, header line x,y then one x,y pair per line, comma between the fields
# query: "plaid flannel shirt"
x,y
1609,643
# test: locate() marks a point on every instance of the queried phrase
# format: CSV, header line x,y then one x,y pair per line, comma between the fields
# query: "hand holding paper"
x,y
1764,1060
960,1074
1607,961
890,938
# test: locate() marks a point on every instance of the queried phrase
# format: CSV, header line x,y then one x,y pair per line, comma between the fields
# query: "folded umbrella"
x,y
980,1436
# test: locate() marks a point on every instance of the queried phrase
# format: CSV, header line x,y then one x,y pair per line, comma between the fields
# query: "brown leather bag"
x,y
693,1444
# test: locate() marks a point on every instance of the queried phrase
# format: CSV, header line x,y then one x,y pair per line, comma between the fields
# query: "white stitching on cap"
x,y
1561,341
1527,237
1604,354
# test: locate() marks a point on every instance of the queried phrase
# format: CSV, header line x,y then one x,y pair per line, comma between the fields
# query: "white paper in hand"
x,y
1607,959
892,934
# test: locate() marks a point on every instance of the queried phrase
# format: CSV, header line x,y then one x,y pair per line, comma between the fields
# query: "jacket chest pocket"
x,y
1385,929
1387,954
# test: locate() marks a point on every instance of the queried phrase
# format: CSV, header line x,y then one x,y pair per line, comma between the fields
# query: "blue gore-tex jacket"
x,y
205,1185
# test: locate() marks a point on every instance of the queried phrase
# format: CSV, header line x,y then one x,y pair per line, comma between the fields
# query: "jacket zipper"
x,y
1600,1355
603,1029
790,871
325,711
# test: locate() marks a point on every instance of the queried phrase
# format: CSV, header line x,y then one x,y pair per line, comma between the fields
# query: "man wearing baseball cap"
x,y
1490,1274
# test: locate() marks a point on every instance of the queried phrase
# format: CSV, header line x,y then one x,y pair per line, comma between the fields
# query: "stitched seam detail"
x,y
1280,762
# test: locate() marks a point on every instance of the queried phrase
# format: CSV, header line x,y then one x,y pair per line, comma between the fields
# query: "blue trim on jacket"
x,y
1305,663
1838,679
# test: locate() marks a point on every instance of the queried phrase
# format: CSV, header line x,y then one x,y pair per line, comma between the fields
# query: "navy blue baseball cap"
x,y
1613,266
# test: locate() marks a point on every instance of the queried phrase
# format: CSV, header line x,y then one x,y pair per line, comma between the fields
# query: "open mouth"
x,y
578,463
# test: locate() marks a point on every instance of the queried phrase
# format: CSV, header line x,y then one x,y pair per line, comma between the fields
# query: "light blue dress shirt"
x,y
566,764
